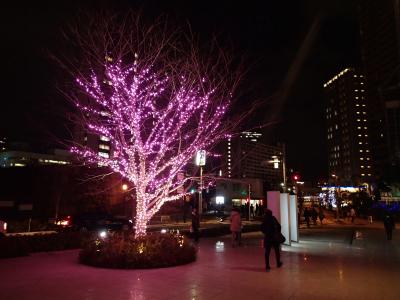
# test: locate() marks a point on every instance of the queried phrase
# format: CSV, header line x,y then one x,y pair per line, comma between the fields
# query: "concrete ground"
x,y
327,264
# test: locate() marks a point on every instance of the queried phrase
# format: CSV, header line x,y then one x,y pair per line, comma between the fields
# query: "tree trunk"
x,y
141,218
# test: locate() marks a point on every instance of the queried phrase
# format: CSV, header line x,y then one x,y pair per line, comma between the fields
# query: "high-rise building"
x,y
3,144
380,48
347,130
247,157
98,143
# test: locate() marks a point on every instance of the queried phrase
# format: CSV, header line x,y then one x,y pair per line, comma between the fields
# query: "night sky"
x,y
267,33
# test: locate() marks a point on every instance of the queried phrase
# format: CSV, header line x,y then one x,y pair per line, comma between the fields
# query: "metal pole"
x,y
284,168
249,200
201,192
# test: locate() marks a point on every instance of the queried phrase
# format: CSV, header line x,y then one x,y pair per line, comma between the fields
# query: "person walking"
x,y
195,225
252,211
307,217
388,222
236,226
271,229
314,215
352,214
321,215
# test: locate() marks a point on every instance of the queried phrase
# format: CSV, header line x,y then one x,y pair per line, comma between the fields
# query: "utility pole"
x,y
249,193
284,167
201,192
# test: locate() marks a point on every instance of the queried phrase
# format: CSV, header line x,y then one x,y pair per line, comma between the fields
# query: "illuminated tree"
x,y
155,99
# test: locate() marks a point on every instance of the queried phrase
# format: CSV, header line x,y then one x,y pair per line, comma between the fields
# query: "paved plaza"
x,y
328,263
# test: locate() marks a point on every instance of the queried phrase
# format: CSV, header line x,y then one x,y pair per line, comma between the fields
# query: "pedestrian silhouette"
x,y
314,215
307,217
195,225
272,233
388,222
236,226
352,214
321,215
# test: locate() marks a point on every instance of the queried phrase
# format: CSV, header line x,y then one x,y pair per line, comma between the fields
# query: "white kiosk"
x,y
284,208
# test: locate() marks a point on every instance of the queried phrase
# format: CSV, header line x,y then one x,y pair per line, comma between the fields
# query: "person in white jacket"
x,y
236,227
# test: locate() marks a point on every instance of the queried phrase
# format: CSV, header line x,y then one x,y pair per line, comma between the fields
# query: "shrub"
x,y
13,247
123,251
21,245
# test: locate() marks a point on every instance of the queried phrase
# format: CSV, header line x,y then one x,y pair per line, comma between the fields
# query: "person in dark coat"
x,y
252,211
270,227
321,215
195,225
388,222
307,217
314,215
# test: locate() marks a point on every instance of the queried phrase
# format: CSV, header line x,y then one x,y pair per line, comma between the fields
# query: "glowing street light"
x,y
201,161
124,187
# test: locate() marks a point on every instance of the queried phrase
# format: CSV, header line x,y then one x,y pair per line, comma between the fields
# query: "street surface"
x,y
330,262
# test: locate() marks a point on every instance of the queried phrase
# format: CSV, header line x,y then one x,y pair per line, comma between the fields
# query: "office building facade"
x,y
349,153
380,48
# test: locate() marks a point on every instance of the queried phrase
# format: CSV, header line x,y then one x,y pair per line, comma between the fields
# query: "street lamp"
x,y
124,189
201,161
276,162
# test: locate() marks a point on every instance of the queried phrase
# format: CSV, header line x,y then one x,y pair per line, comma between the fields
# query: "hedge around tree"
x,y
23,245
123,251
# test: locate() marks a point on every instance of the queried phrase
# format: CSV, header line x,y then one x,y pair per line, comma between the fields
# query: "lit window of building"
x,y
103,154
104,147
104,138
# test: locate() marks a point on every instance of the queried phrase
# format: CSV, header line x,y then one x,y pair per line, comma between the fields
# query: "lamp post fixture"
x,y
275,160
124,188
249,192
201,161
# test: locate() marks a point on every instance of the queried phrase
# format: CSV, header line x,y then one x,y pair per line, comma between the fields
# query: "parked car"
x,y
95,221
3,228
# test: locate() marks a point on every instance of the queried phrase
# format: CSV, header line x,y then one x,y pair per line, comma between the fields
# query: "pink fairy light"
x,y
155,123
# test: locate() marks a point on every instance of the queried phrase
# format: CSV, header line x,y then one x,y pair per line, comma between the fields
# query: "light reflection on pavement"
x,y
325,265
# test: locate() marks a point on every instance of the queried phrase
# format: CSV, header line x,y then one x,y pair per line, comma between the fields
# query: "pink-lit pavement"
x,y
326,264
